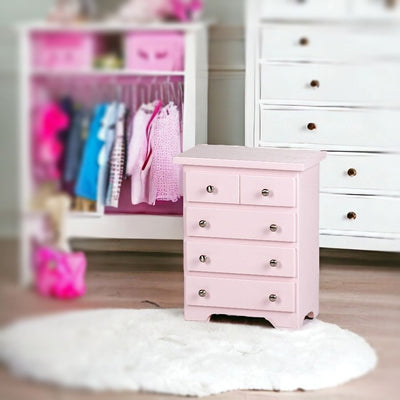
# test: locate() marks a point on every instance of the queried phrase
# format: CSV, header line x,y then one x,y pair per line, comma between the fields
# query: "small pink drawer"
x,y
155,51
268,190
241,259
241,224
240,294
63,50
212,188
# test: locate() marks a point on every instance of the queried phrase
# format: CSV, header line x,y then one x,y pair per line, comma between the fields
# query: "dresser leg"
x,y
197,314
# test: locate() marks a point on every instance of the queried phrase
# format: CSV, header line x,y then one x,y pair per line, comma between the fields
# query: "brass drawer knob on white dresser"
x,y
202,223
314,83
273,298
304,41
351,215
210,189
352,172
202,293
203,258
265,192
273,228
311,126
273,263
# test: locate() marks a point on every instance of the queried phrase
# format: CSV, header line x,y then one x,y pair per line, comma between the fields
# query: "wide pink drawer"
x,y
263,224
201,256
212,187
267,190
240,293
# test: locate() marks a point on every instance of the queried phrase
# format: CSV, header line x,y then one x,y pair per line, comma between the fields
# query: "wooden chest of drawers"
x,y
325,75
251,233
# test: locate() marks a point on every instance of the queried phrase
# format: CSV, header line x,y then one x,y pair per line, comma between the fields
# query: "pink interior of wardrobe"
x,y
57,73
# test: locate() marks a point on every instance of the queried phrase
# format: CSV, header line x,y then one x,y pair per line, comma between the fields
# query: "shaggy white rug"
x,y
157,351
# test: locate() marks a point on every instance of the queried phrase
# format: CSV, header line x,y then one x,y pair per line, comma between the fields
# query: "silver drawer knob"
x,y
203,258
210,189
273,228
265,192
202,293
273,298
273,263
202,223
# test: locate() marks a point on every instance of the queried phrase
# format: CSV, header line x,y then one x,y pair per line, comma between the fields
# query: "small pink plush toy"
x,y
151,10
186,10
59,272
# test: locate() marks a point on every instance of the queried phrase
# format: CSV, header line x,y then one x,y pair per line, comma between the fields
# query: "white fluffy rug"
x,y
156,350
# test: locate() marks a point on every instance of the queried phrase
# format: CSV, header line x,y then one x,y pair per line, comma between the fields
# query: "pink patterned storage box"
x,y
154,51
67,51
251,219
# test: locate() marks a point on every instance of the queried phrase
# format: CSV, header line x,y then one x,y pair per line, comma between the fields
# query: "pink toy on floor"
x,y
59,274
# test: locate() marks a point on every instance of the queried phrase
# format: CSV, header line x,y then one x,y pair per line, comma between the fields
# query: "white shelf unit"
x,y
99,225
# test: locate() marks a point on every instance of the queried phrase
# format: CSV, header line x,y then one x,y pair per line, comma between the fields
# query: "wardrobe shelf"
x,y
104,73
126,226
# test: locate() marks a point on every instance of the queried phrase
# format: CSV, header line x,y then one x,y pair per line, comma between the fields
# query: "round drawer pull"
x,y
352,172
210,189
203,258
314,83
273,263
202,223
311,126
202,293
273,228
351,215
304,41
265,192
273,298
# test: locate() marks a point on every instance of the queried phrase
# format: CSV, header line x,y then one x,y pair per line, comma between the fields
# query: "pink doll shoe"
x,y
59,274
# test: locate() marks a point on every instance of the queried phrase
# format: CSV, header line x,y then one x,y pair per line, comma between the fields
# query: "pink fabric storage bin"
x,y
63,50
154,51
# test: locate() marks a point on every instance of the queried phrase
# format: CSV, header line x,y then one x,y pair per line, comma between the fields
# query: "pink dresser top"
x,y
255,158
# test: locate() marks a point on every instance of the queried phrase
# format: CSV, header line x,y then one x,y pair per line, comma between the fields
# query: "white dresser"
x,y
325,75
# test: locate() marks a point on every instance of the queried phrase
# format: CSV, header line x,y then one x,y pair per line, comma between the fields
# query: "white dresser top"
x,y
255,158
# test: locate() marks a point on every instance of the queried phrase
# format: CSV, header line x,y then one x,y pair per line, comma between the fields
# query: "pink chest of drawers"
x,y
251,233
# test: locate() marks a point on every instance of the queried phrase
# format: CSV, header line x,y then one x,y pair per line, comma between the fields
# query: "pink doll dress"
x,y
52,121
140,154
165,178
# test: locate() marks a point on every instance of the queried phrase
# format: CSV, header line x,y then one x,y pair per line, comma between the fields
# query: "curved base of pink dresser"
x,y
277,319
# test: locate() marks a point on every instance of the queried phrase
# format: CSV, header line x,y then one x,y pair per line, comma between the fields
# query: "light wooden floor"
x,y
361,294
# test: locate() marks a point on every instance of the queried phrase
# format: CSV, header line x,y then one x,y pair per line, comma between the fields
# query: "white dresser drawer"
x,y
361,173
367,214
375,9
331,129
329,42
298,9
373,84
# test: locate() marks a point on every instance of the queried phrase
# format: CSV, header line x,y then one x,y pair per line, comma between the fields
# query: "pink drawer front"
x,y
240,293
212,188
268,190
241,224
241,259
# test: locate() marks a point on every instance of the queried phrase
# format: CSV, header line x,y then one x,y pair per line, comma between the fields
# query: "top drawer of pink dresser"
x,y
212,187
268,190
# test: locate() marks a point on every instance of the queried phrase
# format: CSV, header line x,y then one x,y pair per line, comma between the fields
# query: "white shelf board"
x,y
113,26
126,226
102,73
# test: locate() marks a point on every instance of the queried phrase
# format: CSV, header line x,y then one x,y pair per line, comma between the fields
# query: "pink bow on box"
x,y
59,274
